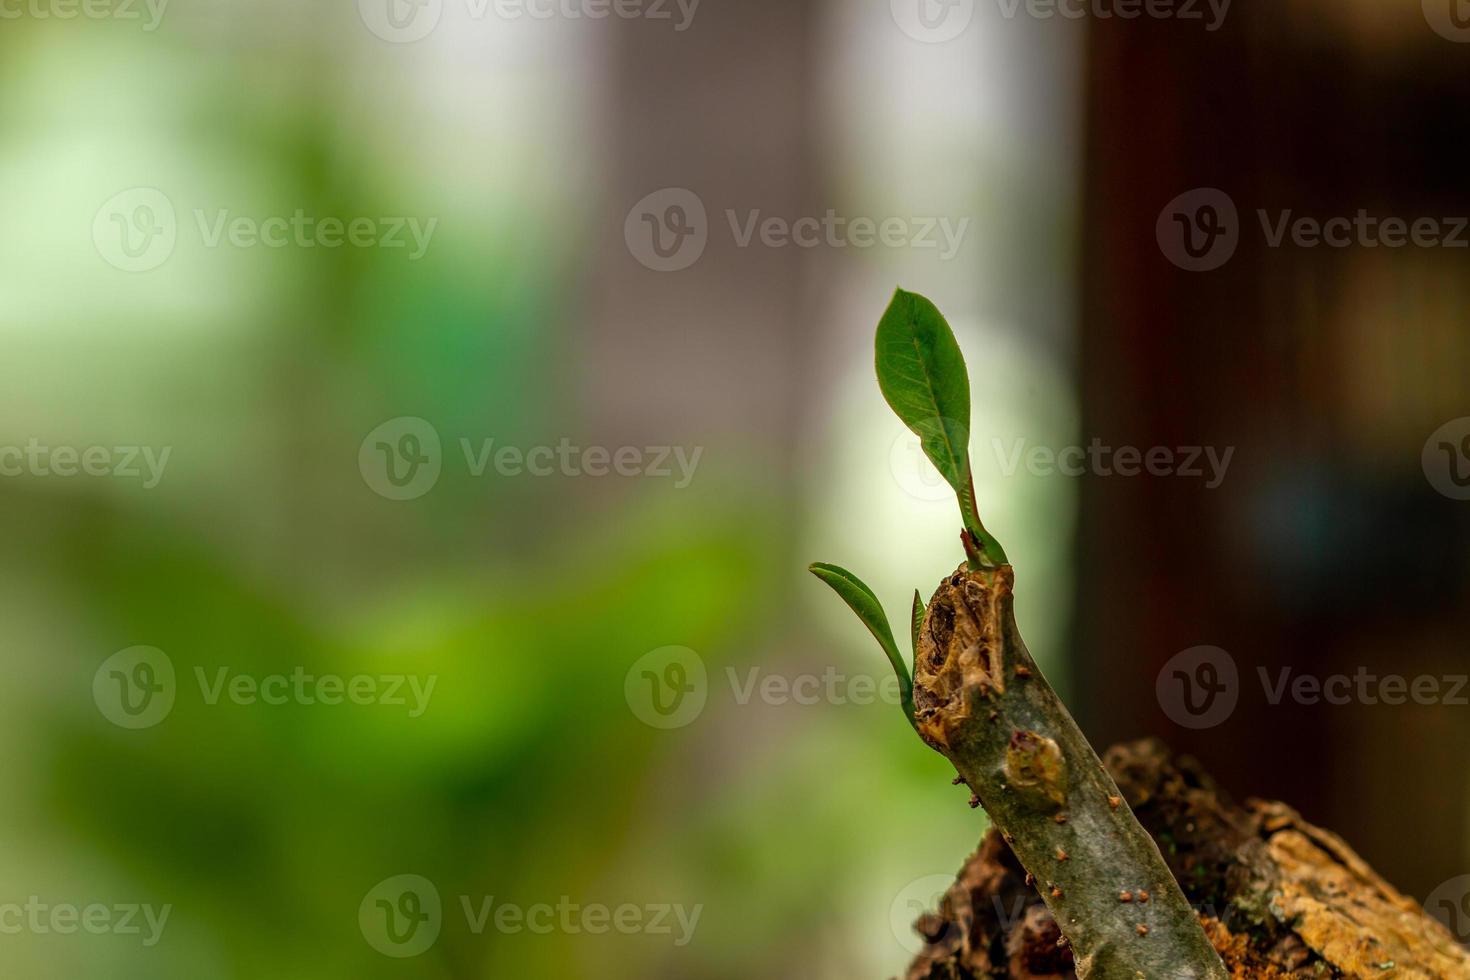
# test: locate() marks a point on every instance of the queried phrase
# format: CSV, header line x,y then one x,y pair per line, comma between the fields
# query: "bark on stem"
x,y
981,702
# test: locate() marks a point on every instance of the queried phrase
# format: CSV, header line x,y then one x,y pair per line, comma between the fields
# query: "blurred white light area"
x,y
488,120
86,117
993,114
985,127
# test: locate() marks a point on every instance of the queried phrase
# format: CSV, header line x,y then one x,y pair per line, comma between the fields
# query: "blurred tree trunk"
x,y
721,110
1325,549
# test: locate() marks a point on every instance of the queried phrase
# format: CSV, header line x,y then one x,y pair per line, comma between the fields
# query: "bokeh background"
x,y
534,147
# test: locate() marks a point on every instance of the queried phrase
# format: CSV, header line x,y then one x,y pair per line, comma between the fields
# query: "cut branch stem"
x,y
981,701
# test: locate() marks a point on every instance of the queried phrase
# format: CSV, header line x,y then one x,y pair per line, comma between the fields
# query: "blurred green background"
x,y
282,379
799,830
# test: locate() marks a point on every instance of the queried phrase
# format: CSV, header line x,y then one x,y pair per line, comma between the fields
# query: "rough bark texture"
x,y
1278,897
980,700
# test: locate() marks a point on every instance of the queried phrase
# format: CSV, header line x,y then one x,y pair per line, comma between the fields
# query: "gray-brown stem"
x,y
981,702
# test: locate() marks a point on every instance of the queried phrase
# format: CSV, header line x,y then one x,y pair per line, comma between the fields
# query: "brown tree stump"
x,y
1278,897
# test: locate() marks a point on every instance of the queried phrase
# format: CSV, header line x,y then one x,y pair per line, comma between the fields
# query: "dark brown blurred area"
x,y
1326,549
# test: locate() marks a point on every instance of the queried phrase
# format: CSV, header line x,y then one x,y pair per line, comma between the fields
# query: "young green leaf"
x,y
861,600
923,378
922,374
918,624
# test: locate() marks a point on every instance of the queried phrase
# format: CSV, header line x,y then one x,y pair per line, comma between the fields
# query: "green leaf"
x,y
923,378
861,600
922,374
918,617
